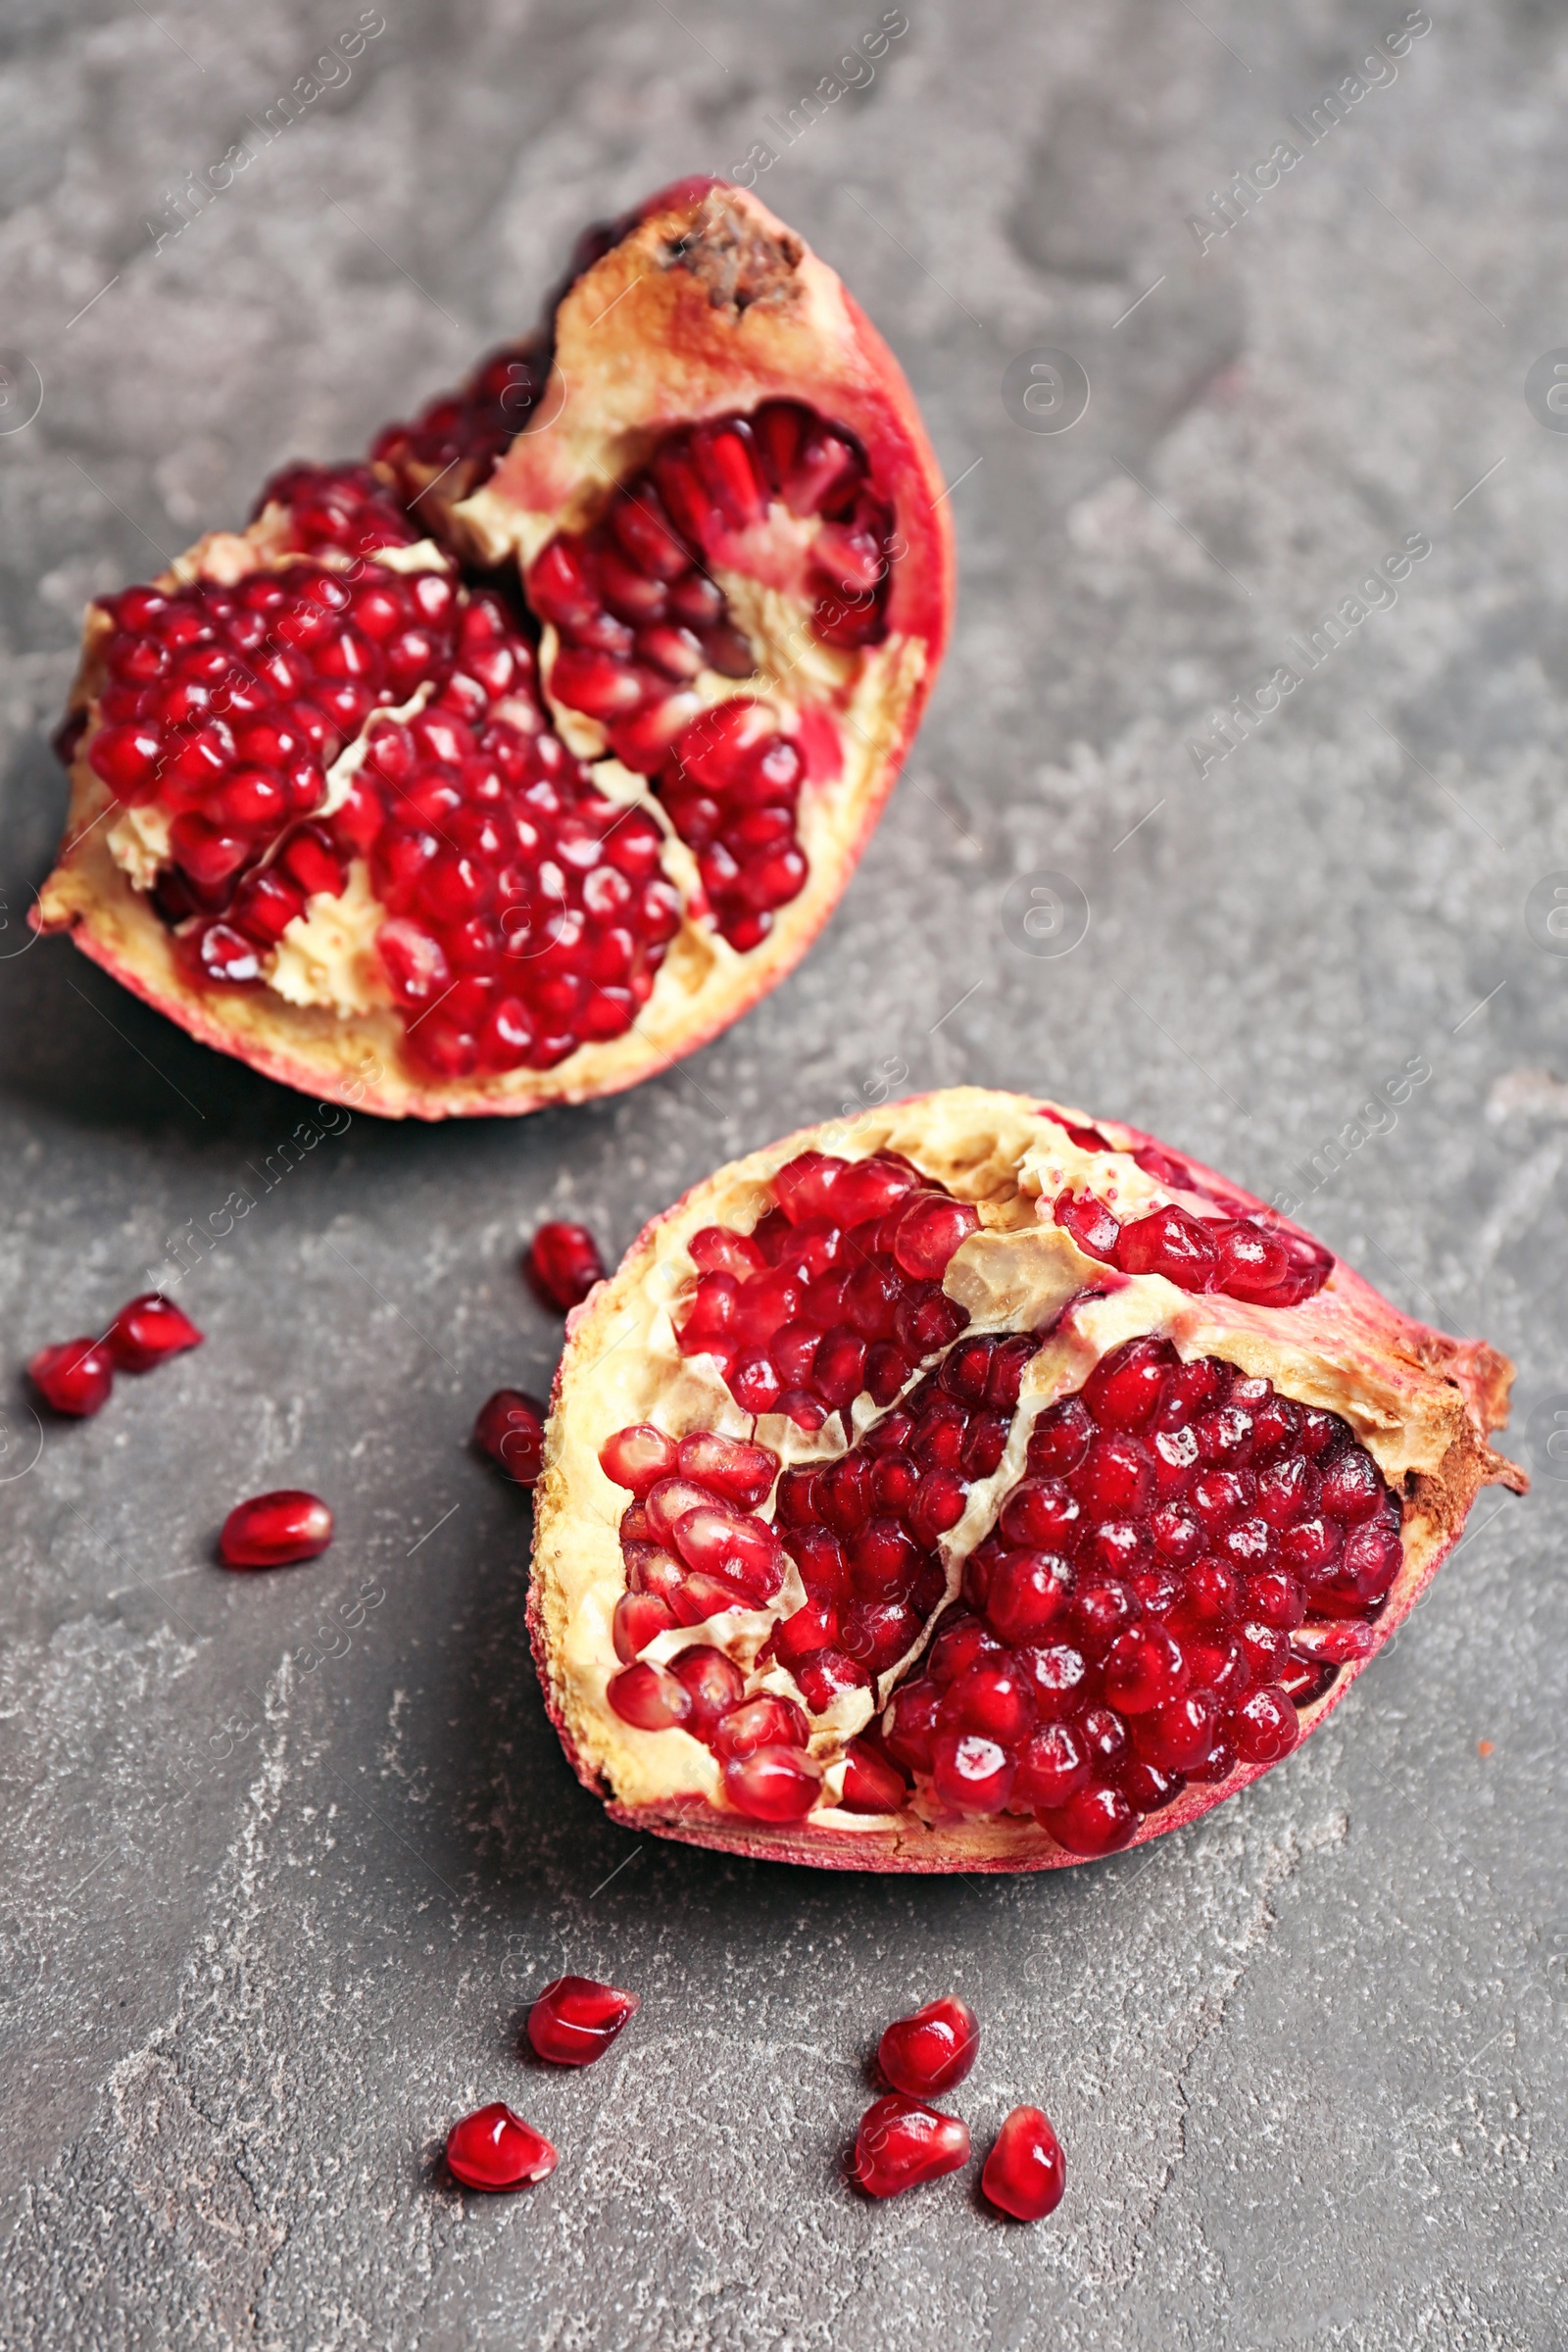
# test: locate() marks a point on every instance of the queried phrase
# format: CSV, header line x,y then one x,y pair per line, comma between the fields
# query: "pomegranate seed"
x,y
1263,1726
773,1784
147,1329
901,2143
272,1531
638,1457
510,1430
929,2054
493,2149
713,1684
1098,1820
1025,2173
767,1721
871,1784
575,2020
562,1263
75,1377
649,1698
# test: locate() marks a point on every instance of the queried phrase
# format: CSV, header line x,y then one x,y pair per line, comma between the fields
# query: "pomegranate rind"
x,y
670,354
1423,1404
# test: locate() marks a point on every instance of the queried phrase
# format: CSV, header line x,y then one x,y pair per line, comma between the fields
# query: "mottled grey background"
x,y
1307,2057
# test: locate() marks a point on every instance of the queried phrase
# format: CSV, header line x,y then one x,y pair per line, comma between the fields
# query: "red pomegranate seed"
x,y
493,2149
75,1377
649,1698
773,1784
901,2143
638,1457
147,1329
871,1784
510,1430
1026,2171
272,1531
767,1721
562,1263
929,2053
1098,1820
713,1684
575,2020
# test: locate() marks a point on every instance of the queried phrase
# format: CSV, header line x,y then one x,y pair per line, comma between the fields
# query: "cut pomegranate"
x,y
1026,2170
902,2143
73,1378
493,2149
147,1329
575,2020
562,1263
514,765
944,1543
272,1531
510,1430
929,2053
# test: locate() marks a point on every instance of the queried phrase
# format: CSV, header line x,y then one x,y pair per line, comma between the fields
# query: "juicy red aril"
x,y
901,2143
773,1784
575,2020
562,1263
928,2054
649,1698
493,2149
147,1329
767,1721
271,1531
1026,2171
1247,1257
638,1457
75,1377
871,1783
1096,1821
510,1430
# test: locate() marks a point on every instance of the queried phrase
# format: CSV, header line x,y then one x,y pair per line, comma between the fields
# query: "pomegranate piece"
x,y
147,1329
273,1531
901,2142
575,2020
73,1378
493,2149
510,1430
1026,2171
970,1597
562,1263
929,2054
340,707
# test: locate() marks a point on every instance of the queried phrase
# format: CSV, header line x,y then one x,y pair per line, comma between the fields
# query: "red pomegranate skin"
x,y
928,2054
575,2020
1026,2171
494,2149
902,2143
273,1531
73,1378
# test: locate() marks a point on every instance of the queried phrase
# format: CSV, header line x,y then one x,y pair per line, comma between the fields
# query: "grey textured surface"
x,y
259,1951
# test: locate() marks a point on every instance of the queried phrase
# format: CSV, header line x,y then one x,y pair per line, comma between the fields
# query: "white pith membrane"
x,y
1420,1404
324,1014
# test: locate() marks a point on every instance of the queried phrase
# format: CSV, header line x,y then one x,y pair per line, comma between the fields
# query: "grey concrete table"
x,y
259,1951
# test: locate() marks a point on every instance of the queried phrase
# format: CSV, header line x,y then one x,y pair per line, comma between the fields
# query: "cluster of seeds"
x,y
1189,1558
837,1290
1250,1257
640,617
457,439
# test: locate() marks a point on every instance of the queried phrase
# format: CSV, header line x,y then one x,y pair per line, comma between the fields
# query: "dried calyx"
x,y
902,1529
511,764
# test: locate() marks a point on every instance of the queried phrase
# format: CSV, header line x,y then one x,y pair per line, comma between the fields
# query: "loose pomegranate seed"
x,y
271,1531
929,2054
147,1329
510,1430
902,2143
1026,2170
575,2020
75,1377
493,2149
562,1263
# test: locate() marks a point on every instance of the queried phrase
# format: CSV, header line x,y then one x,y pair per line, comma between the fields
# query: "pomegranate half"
x,y
976,1487
514,765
